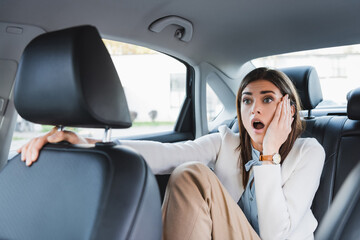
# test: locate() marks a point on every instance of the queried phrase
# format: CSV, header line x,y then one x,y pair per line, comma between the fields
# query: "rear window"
x,y
337,68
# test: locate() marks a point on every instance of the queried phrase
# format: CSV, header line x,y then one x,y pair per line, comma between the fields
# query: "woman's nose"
x,y
256,108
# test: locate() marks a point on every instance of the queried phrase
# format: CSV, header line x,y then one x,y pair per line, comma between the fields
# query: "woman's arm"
x,y
282,206
164,157
161,157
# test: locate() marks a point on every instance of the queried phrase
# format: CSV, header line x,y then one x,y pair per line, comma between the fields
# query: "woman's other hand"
x,y
30,151
279,128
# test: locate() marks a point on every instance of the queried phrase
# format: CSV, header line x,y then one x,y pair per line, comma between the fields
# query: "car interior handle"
x,y
183,33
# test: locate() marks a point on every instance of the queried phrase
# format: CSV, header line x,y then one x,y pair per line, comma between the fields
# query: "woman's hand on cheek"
x,y
279,128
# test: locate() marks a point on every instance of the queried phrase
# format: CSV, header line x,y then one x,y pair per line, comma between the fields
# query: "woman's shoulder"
x,y
308,149
228,135
225,130
307,144
307,153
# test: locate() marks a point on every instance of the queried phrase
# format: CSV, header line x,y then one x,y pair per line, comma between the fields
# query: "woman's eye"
x,y
246,101
268,100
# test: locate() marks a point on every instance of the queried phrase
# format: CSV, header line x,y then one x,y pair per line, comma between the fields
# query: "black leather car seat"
x,y
342,219
98,191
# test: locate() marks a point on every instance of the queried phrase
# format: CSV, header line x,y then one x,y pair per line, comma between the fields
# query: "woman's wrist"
x,y
270,149
267,162
270,152
92,141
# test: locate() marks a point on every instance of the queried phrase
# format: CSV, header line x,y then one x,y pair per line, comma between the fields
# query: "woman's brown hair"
x,y
284,84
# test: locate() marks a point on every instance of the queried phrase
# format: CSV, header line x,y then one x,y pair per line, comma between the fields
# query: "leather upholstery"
x,y
80,193
340,137
104,191
306,81
342,219
74,72
353,107
328,131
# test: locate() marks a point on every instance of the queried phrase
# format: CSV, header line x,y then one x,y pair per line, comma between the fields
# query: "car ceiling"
x,y
226,33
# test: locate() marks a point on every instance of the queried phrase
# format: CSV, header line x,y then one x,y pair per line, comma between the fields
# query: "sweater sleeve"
x,y
282,206
164,157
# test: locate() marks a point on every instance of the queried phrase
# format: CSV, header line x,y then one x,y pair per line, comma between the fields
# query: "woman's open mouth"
x,y
257,125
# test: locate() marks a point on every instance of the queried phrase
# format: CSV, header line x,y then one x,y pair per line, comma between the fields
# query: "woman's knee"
x,y
192,172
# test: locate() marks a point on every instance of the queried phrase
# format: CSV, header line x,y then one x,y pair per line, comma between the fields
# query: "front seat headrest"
x,y
67,78
307,83
353,104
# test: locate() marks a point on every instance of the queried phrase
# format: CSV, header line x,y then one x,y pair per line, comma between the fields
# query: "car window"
x,y
213,104
337,68
155,88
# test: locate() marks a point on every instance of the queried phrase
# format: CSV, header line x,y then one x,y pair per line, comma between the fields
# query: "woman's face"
x,y
258,104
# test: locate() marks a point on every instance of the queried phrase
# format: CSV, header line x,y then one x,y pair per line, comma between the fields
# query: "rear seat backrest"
x,y
327,130
341,220
349,148
340,137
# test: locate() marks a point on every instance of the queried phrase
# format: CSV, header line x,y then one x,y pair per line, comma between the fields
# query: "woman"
x,y
265,177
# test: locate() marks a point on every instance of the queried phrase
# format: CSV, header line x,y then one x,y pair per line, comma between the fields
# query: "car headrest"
x,y
353,104
67,78
307,83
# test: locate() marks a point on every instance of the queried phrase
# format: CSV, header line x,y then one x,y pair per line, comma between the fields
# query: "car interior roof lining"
x,y
288,30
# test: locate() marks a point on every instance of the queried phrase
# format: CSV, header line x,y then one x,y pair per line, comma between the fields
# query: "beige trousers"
x,y
197,206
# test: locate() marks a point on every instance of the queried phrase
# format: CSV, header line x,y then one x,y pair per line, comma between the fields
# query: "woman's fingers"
x,y
30,151
279,128
35,149
286,119
35,145
289,116
23,150
284,111
277,114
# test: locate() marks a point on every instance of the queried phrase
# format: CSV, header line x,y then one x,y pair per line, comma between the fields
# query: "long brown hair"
x,y
284,84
